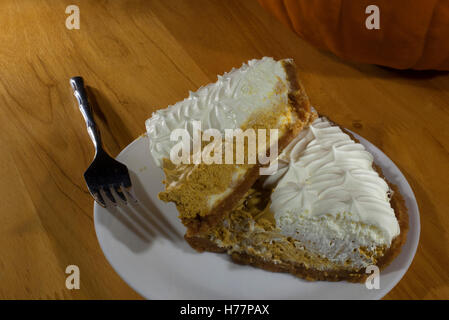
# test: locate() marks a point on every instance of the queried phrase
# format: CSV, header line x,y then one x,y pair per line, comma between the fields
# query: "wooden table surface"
x,y
142,55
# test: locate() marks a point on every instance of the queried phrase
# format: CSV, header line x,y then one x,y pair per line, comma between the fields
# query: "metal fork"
x,y
107,179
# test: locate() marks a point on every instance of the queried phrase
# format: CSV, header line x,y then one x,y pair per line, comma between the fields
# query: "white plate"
x,y
145,245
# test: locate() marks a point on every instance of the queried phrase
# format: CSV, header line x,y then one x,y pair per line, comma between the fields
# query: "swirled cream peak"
x,y
225,104
327,193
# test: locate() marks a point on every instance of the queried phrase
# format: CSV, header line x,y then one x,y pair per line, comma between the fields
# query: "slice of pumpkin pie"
x,y
261,95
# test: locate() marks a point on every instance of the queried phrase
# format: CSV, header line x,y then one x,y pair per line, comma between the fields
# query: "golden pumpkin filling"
x,y
196,188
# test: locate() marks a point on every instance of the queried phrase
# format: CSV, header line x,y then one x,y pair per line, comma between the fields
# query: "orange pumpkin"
x,y
412,35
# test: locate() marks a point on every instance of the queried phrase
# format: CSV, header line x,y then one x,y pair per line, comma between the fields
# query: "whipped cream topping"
x,y
225,104
327,193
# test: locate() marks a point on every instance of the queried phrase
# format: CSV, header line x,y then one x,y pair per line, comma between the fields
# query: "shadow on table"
x,y
115,133
139,224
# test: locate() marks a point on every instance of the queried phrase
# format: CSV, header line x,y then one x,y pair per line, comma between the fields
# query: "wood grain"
x,y
142,55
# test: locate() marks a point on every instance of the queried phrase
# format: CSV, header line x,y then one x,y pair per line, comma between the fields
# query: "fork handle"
x,y
79,92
